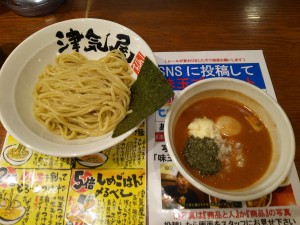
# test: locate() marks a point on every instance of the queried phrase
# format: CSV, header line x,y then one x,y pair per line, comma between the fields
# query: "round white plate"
x,y
91,37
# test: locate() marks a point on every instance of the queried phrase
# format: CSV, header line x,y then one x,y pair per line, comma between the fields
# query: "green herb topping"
x,y
202,154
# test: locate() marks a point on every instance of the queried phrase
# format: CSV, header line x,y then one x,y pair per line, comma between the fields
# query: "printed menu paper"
x,y
39,189
166,206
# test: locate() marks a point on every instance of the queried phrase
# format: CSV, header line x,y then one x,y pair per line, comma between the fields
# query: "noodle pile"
x,y
77,97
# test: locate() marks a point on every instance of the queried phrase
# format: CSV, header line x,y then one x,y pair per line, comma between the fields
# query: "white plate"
x,y
20,71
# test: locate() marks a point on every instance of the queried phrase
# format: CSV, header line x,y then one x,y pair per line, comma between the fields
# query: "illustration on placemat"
x,y
11,210
16,154
82,210
94,160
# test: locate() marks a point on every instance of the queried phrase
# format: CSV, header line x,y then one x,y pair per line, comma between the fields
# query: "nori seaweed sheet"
x,y
149,92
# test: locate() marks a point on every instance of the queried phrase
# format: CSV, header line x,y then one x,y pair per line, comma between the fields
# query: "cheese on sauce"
x,y
202,127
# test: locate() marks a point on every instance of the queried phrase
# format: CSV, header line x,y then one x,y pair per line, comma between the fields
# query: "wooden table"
x,y
272,26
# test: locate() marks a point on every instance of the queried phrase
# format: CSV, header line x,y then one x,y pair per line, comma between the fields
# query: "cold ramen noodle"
x,y
78,98
222,142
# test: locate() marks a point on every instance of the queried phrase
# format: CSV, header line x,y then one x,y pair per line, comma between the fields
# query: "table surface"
x,y
271,26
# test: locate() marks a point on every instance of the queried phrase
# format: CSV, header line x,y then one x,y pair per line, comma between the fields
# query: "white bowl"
x,y
20,72
273,116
